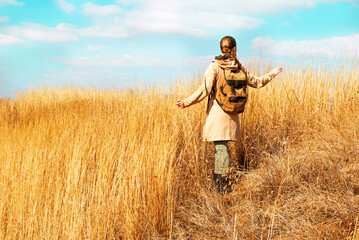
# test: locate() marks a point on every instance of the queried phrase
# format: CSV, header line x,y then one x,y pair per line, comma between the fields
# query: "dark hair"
x,y
227,44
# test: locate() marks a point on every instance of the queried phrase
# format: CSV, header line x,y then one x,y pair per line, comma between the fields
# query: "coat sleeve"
x,y
257,82
206,87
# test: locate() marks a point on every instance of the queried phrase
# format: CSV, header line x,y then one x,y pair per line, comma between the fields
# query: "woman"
x,y
221,126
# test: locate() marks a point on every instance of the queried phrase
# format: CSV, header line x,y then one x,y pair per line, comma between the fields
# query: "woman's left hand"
x,y
275,71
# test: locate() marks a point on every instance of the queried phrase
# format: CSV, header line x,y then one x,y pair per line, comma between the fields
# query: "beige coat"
x,y
221,126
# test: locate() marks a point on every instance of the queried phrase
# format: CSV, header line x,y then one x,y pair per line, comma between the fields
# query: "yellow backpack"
x,y
231,92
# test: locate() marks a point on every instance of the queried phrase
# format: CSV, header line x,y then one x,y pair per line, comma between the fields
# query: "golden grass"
x,y
91,164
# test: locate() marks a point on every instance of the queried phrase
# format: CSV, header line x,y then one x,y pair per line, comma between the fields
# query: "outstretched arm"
x,y
261,81
203,91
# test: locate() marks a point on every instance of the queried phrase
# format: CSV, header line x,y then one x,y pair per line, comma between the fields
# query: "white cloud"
x,y
33,31
95,48
242,7
160,22
9,40
188,23
186,17
86,77
121,61
197,17
339,46
201,62
64,32
97,10
10,2
227,20
65,27
4,19
65,6
262,43
108,31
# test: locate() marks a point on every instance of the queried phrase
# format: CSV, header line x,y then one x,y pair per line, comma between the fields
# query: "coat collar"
x,y
225,61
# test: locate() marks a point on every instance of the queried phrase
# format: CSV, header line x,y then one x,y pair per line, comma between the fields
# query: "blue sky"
x,y
115,43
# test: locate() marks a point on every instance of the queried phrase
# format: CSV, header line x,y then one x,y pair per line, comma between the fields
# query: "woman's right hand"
x,y
180,104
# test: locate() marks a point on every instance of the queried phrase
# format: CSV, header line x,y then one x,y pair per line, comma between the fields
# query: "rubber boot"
x,y
227,185
222,183
218,182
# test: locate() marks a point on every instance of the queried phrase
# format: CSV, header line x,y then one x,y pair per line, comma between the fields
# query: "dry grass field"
x,y
103,164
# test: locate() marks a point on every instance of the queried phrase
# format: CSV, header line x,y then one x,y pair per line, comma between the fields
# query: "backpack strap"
x,y
213,91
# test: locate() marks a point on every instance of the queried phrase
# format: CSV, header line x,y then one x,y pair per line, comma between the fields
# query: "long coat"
x,y
221,126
